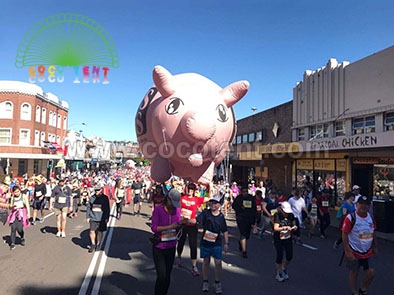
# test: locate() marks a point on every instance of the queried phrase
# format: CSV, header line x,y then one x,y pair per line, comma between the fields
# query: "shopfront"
x,y
331,174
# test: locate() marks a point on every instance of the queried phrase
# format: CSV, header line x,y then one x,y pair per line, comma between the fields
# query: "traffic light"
x,y
50,163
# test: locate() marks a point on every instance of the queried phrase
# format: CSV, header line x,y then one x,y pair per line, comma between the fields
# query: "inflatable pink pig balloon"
x,y
185,124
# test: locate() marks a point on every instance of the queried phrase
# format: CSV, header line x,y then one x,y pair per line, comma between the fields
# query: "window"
x,y
38,114
24,137
50,118
59,121
300,134
36,138
6,110
44,116
238,139
58,139
64,123
251,137
364,125
42,138
259,136
340,128
25,112
5,136
389,121
318,131
244,138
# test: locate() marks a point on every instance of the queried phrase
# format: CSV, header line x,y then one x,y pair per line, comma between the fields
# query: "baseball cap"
x,y
286,207
38,178
216,199
355,187
364,200
175,197
272,192
97,187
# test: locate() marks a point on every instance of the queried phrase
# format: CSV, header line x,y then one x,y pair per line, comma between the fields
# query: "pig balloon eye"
x,y
173,106
222,113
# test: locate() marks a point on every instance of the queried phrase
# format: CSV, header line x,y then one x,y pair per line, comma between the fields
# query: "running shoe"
x,y
59,234
23,242
205,286
244,254
195,271
33,223
92,248
218,288
323,236
41,220
178,262
98,246
279,277
12,247
362,292
285,275
63,234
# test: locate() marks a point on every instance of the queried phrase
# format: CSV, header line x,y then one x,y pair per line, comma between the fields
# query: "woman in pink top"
x,y
166,221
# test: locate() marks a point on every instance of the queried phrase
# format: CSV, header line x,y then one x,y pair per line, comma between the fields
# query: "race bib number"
x,y
314,210
96,208
18,204
247,204
284,234
365,236
38,194
210,236
258,207
273,211
137,191
186,213
324,203
62,200
168,235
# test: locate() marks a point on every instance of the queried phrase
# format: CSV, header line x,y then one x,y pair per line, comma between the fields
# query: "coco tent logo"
x,y
67,40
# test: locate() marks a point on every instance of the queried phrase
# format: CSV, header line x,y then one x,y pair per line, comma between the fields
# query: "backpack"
x,y
353,219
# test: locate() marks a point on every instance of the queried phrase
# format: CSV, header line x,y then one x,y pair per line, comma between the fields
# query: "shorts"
x,y
244,227
356,264
137,199
59,211
215,252
98,225
39,204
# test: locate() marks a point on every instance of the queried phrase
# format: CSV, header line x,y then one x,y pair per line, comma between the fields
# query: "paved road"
x,y
51,265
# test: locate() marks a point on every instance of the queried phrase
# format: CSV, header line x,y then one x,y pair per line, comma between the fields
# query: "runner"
x,y
19,216
166,221
39,193
213,224
360,243
284,224
189,206
61,203
245,211
137,201
97,215
120,192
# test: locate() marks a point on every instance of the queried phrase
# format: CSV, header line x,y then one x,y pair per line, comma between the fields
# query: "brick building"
x,y
28,118
259,148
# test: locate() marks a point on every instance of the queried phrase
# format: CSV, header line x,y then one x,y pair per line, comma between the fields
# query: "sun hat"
x,y
216,199
286,207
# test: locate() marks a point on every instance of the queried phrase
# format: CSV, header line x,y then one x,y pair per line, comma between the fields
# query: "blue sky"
x,y
269,43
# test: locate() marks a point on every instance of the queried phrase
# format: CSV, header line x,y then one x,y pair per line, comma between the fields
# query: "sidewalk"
x,y
389,237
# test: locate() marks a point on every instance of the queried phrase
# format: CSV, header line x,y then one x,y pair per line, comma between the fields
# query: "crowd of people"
x,y
185,210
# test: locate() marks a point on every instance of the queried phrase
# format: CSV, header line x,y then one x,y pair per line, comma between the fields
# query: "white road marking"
x,y
93,263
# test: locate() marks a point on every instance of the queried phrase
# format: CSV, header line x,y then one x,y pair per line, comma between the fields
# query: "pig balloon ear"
x,y
162,79
234,92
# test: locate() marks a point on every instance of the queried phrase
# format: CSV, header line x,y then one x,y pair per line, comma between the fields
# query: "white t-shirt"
x,y
297,205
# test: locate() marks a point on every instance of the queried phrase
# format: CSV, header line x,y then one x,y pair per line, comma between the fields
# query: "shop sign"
x,y
305,164
341,164
324,165
372,161
362,141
